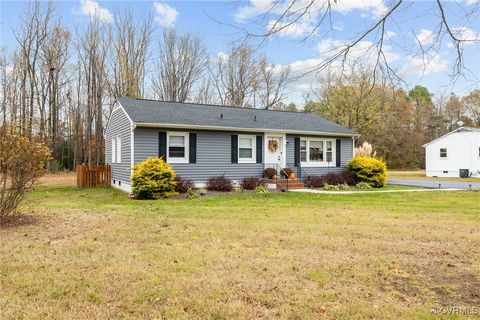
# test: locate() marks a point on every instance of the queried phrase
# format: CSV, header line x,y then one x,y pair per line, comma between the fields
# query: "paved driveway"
x,y
434,184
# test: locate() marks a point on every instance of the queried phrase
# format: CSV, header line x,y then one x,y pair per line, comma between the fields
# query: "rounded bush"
x,y
269,173
219,183
370,170
153,179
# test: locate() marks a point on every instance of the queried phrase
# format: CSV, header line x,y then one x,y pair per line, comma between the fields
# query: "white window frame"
x,y
114,149
184,159
253,159
440,153
119,149
323,163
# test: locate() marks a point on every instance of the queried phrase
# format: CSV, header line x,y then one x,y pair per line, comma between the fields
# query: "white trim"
x,y
253,159
283,154
186,136
114,150
115,108
132,151
215,128
118,140
124,186
323,163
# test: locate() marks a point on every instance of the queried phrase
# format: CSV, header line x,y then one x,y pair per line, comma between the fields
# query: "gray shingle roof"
x,y
161,112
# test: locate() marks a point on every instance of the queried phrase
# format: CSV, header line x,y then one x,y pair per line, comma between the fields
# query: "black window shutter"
x,y
259,149
296,149
192,153
234,148
338,150
162,145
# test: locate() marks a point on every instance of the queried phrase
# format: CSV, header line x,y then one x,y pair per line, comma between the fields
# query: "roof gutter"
x,y
217,128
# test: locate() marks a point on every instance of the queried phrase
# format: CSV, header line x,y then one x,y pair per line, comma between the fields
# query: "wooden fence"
x,y
93,176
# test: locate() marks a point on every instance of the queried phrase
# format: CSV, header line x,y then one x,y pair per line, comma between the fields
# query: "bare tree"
x,y
181,64
131,37
206,91
317,19
55,54
31,37
235,76
271,83
91,48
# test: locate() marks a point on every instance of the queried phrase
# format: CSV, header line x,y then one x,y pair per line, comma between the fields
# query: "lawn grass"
x,y
420,175
85,254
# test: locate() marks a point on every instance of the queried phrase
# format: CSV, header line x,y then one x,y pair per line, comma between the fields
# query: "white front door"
x,y
274,151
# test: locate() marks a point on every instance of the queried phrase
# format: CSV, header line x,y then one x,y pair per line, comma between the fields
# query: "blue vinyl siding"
x,y
119,125
213,155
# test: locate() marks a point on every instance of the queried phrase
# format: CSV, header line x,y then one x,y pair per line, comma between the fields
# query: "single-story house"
x,y
201,141
454,154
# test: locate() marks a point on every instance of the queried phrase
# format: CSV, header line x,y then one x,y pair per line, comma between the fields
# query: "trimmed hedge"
x,y
330,179
370,170
153,179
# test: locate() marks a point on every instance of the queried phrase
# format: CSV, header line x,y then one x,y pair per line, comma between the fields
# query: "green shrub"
x,y
191,194
330,187
202,191
153,179
343,186
370,170
363,186
261,190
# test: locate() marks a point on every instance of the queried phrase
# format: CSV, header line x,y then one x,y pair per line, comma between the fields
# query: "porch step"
x,y
292,184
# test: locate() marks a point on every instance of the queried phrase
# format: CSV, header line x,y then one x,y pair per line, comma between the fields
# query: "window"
x,y
329,151
177,147
114,152
303,150
246,149
317,152
443,152
119,150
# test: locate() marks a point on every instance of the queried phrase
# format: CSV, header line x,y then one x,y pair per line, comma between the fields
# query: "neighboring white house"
x,y
448,154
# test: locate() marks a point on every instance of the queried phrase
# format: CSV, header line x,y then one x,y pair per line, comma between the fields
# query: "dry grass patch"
x,y
66,178
96,253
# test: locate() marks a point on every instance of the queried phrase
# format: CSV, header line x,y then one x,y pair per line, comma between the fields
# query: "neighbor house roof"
x,y
461,129
151,113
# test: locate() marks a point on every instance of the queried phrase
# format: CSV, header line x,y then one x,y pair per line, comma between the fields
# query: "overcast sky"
x,y
213,20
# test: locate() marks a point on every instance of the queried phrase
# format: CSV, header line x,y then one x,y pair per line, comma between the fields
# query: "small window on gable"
x,y
119,150
443,152
114,150
246,148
